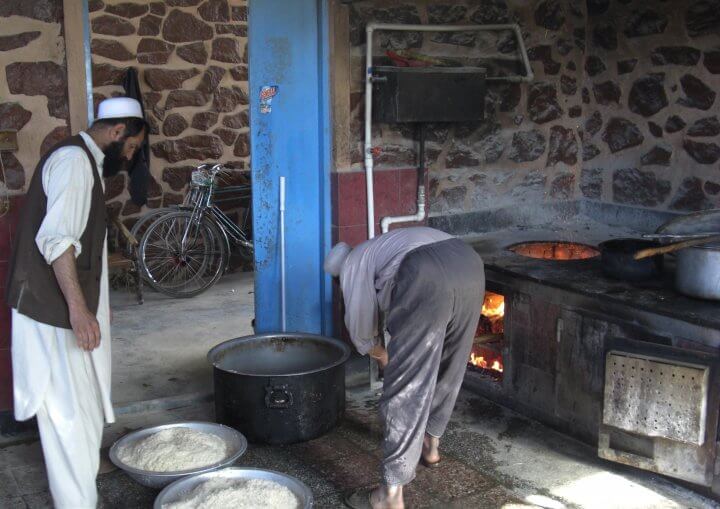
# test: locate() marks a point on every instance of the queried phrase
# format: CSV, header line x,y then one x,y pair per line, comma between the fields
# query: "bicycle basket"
x,y
201,178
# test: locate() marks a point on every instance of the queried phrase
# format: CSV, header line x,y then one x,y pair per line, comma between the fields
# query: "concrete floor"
x,y
492,458
159,347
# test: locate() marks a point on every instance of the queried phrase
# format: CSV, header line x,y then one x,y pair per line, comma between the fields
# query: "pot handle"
x,y
278,396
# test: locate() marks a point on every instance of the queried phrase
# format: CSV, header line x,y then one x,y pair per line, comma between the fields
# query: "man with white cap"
x,y
58,289
430,288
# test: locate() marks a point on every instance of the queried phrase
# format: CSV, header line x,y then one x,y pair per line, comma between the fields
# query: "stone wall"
x,y
191,57
652,136
33,101
622,108
33,84
528,148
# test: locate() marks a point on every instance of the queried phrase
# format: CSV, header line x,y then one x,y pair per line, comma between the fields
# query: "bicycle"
x,y
184,250
140,226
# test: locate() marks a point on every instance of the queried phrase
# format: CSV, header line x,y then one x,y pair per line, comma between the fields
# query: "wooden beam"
x,y
74,15
340,82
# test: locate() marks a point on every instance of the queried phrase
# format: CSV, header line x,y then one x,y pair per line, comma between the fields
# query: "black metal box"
x,y
428,94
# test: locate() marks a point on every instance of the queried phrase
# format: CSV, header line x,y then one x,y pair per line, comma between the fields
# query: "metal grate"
x,y
656,397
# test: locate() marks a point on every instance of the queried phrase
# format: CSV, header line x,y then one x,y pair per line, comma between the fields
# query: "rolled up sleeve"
x,y
67,182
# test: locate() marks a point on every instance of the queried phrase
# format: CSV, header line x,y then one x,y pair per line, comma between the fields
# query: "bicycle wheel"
x,y
181,257
141,225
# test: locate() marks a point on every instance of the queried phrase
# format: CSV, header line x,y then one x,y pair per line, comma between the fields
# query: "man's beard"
x,y
114,159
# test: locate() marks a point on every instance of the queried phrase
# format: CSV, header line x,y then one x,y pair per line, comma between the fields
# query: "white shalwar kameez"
x,y
66,387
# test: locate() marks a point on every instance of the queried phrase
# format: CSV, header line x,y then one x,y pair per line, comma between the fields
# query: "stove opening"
x,y
555,250
486,355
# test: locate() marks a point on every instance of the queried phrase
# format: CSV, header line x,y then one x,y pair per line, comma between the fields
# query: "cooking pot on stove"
x,y
698,271
618,262
280,388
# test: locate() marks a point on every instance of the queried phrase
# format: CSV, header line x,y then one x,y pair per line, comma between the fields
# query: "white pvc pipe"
x,y
282,255
417,217
369,163
368,137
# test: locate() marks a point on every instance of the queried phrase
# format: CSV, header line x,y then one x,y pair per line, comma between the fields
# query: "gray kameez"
x,y
432,304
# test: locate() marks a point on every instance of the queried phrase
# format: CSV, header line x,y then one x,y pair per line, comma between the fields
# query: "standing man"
x,y
430,287
58,289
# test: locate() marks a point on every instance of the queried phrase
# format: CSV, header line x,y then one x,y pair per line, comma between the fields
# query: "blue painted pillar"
x,y
290,137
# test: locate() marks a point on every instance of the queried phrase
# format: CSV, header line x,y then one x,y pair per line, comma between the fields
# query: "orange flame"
x,y
493,313
480,362
493,306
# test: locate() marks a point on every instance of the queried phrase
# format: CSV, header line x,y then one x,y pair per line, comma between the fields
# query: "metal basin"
x,y
280,388
179,489
278,354
237,445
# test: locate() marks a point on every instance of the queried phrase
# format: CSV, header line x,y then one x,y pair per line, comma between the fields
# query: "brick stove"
x,y
631,368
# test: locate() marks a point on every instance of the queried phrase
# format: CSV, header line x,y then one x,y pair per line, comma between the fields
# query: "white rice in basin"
x,y
174,449
237,494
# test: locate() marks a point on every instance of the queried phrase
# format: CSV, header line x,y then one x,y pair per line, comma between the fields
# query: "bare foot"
x,y
430,452
387,497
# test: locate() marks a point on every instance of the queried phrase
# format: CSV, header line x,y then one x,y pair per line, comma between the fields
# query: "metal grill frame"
x,y
689,462
655,371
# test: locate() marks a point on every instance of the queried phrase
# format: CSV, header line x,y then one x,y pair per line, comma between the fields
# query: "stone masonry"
x,y
623,107
191,57
33,102
528,148
657,143
33,85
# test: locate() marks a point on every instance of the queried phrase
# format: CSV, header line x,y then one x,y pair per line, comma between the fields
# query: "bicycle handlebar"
x,y
217,168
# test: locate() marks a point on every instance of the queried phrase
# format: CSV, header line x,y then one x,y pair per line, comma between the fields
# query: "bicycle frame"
x,y
198,251
233,230
201,199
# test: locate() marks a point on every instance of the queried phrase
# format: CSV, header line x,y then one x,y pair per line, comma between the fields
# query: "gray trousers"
x,y
432,318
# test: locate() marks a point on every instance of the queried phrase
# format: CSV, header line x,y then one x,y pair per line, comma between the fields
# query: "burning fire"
x,y
486,352
555,250
480,362
493,306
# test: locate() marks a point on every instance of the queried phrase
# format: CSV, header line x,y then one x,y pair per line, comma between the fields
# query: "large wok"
x,y
617,259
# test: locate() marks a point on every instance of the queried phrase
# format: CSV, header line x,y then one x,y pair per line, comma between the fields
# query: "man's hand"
x,y
86,329
83,322
380,355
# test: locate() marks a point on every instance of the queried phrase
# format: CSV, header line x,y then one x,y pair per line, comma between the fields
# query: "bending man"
x,y
430,286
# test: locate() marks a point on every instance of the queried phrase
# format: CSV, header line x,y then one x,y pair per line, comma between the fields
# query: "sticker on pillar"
x,y
266,96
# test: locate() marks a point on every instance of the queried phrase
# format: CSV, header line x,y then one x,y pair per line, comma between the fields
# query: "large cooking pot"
x,y
698,271
618,262
280,388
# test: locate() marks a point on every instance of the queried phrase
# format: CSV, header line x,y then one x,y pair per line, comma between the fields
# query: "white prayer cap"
x,y
119,107
336,259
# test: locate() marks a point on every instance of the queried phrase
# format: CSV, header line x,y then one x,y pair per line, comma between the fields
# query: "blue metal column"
x,y
290,136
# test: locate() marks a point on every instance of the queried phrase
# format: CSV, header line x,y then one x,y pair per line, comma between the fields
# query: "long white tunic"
x,y
40,351
368,277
